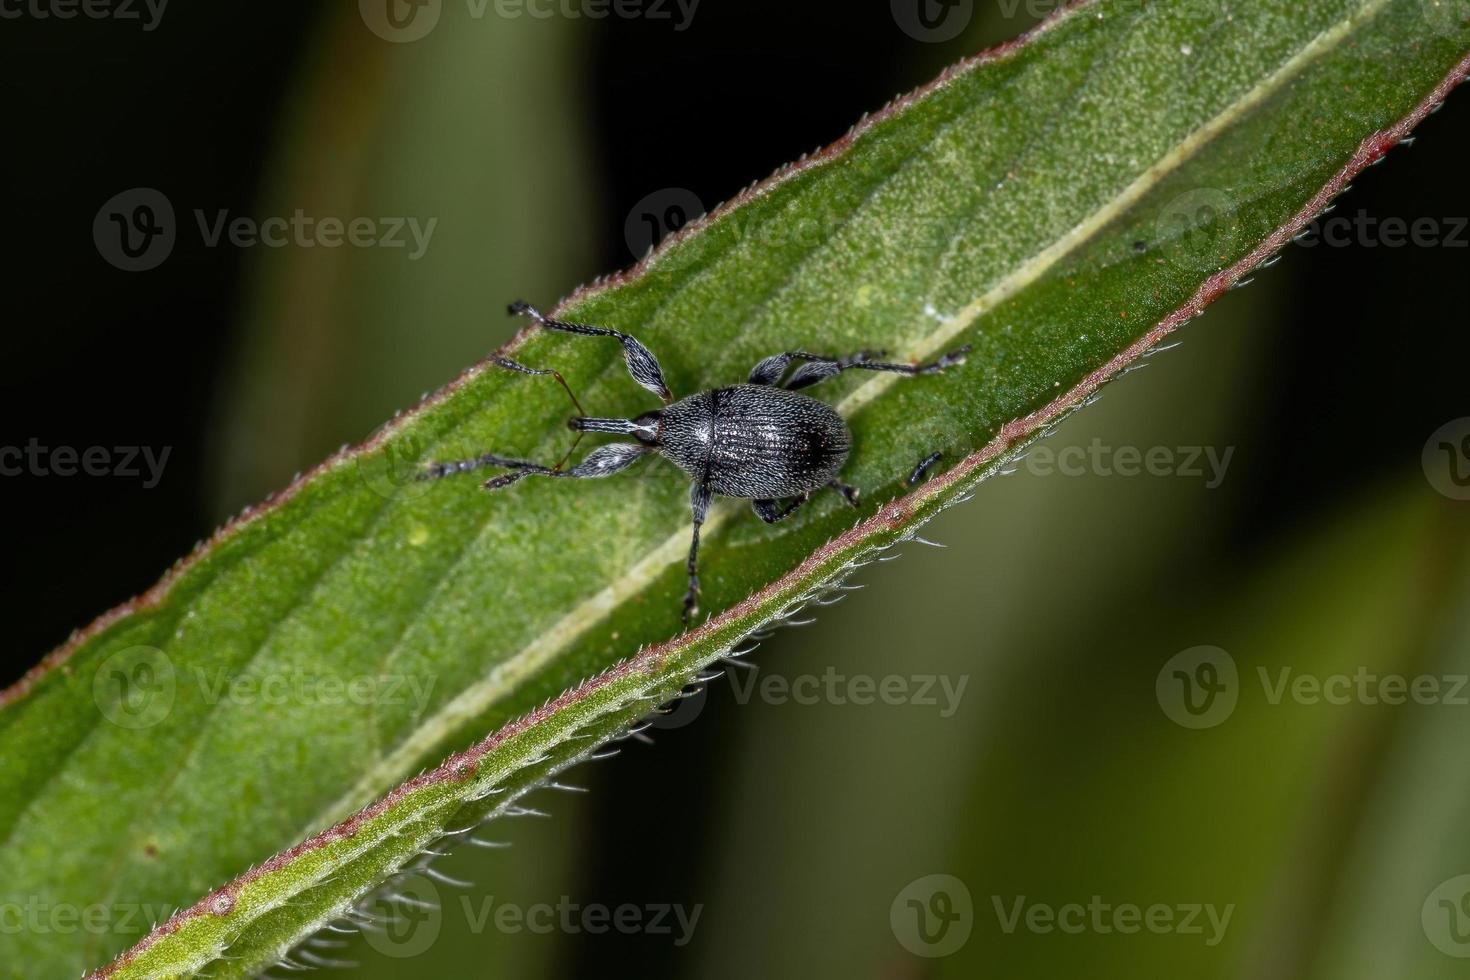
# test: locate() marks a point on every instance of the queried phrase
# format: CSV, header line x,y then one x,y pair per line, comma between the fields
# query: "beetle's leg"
x,y
770,370
849,493
642,365
819,367
771,511
603,461
922,468
699,504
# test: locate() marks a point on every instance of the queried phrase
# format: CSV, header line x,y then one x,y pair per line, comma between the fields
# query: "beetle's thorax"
x,y
755,441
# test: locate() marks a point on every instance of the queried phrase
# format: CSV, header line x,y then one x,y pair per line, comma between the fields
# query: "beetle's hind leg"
x,y
819,367
917,474
771,511
699,497
849,493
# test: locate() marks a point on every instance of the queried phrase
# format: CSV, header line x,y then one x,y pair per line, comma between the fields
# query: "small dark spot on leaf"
x,y
151,850
1140,246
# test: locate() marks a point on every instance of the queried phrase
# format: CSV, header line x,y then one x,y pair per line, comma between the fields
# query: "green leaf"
x,y
1060,206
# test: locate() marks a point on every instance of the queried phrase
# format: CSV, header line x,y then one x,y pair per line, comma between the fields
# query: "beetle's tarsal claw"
x,y
503,480
953,358
922,468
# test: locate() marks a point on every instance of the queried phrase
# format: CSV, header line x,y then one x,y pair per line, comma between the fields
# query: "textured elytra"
x,y
755,441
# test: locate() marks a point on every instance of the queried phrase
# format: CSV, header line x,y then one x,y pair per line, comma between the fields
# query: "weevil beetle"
x,y
761,441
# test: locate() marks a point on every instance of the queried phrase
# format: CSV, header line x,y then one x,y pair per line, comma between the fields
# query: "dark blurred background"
x,y
543,148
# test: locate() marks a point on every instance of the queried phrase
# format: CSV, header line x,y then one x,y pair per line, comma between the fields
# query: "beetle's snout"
x,y
645,428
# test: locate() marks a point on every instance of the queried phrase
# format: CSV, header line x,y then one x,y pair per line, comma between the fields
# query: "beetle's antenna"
x,y
510,365
519,368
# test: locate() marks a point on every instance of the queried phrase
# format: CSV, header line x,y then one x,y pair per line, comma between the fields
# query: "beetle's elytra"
x,y
762,441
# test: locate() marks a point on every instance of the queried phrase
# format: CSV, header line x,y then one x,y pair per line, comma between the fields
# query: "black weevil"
x,y
760,441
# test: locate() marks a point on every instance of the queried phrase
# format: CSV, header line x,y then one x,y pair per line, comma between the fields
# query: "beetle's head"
x,y
648,428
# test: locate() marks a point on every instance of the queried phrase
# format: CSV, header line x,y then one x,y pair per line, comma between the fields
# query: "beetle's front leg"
x,y
699,496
